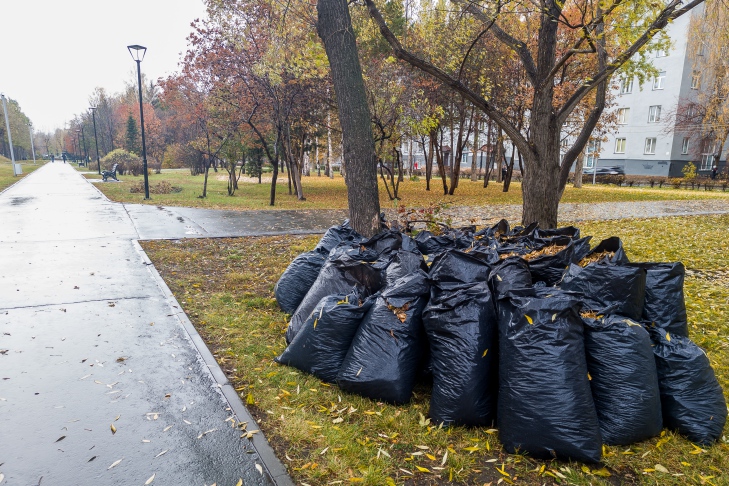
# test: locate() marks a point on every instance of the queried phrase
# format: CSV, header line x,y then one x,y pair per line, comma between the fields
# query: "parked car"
x,y
611,170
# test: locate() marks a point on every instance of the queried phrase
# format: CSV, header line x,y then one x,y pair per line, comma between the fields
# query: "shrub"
x,y
689,171
676,182
127,162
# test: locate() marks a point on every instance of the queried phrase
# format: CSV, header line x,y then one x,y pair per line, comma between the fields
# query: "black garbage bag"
x,y
460,322
624,381
430,244
322,343
403,263
550,267
545,406
609,250
664,302
296,280
518,233
692,399
608,289
487,253
345,269
509,274
500,228
571,231
458,267
383,361
336,235
390,241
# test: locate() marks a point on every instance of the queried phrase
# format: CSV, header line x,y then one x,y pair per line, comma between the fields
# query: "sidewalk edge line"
x,y
274,467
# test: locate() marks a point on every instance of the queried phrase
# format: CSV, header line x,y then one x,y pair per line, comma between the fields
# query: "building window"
x,y
707,155
661,53
593,153
619,145
654,114
707,161
659,80
685,145
696,80
691,111
650,146
626,86
623,114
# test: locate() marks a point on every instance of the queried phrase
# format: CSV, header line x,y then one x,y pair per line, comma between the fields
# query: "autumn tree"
x,y
548,43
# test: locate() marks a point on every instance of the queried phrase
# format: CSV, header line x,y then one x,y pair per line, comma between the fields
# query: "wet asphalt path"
x,y
91,338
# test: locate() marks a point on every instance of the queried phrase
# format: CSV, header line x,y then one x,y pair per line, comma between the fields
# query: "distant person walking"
x,y
64,157
53,158
714,170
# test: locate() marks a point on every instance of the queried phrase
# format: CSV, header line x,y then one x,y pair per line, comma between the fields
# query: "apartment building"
x,y
644,143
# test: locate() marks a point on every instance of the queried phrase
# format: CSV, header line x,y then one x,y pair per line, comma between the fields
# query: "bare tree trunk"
x,y
578,170
474,165
441,168
429,161
334,26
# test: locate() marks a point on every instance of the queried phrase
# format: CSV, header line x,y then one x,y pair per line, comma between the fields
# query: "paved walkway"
x,y
103,381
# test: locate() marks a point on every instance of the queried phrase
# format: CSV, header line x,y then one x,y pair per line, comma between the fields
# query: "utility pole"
x,y
32,147
10,137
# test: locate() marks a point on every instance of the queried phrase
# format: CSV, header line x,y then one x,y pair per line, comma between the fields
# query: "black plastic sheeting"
x,y
624,381
691,397
346,268
460,322
324,340
545,406
608,289
336,235
296,280
383,361
664,301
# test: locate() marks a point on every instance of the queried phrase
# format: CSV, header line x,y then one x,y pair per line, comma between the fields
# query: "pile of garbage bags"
x,y
564,347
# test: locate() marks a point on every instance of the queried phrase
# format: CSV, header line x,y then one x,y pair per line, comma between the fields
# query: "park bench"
x,y
110,173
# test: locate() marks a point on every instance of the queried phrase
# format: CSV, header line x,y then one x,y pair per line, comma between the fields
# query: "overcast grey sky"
x,y
55,52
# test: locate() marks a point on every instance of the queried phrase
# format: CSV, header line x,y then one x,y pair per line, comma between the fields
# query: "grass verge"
x,y
7,178
326,436
325,193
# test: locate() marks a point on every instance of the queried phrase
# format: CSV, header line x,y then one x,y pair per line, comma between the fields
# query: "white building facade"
x,y
644,143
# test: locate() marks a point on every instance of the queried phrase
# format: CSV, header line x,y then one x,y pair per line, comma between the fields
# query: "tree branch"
x,y
668,14
514,44
498,117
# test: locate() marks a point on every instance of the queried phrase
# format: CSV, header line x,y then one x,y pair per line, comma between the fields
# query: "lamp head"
x,y
137,52
92,108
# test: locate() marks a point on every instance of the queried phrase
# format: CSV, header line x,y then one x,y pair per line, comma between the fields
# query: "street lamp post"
x,y
10,137
96,140
32,147
138,53
83,141
78,142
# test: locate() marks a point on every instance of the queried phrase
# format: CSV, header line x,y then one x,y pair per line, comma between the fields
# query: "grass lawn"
x,y
325,193
326,436
6,171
